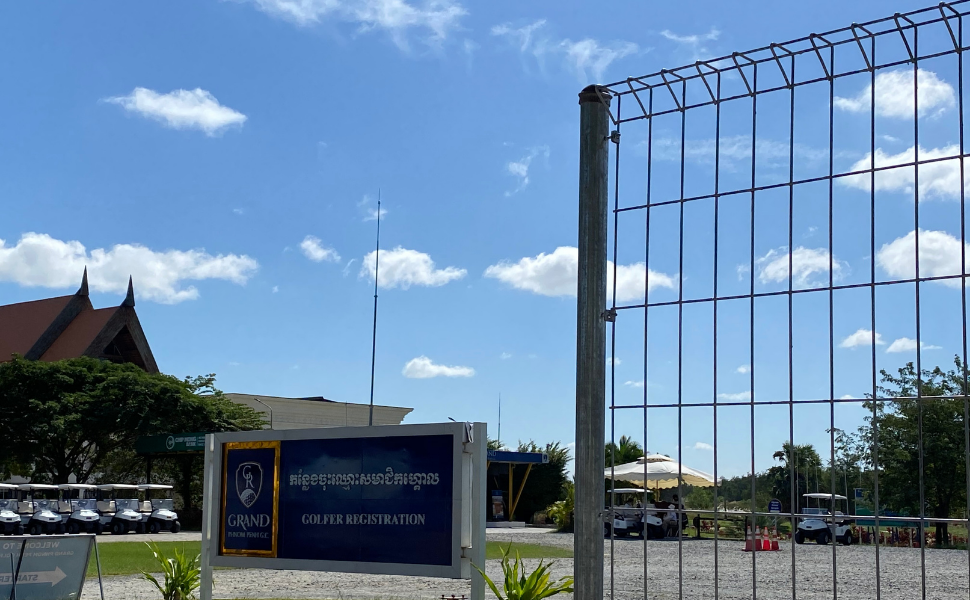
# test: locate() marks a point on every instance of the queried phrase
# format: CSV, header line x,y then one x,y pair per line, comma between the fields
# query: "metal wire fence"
x,y
765,233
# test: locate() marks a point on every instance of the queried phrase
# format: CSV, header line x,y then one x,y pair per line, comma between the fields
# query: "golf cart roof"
x,y
825,496
76,486
8,486
37,486
117,486
629,491
153,486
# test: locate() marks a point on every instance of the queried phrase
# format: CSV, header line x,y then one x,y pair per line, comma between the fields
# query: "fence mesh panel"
x,y
773,327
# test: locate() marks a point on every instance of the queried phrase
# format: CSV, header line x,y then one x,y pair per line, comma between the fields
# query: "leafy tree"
x,y
67,417
546,484
896,426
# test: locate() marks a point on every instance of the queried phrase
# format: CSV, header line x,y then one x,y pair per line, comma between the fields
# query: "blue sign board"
x,y
43,568
774,506
519,458
355,499
379,501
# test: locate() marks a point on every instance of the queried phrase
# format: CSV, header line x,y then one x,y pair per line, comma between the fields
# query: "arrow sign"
x,y
52,577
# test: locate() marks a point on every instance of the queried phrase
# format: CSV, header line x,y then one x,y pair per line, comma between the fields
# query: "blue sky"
x,y
229,154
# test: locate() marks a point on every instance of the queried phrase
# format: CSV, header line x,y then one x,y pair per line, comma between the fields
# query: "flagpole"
x,y
373,351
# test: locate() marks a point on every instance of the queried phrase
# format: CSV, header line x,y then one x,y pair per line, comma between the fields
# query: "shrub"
x,y
181,574
518,586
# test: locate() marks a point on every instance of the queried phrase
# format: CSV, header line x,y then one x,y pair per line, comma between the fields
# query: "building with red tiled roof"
x,y
70,327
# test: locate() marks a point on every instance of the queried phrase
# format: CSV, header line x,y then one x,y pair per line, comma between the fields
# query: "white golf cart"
x,y
118,505
631,516
79,507
821,529
158,513
38,508
10,523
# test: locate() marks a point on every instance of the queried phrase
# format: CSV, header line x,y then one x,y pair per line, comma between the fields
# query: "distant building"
x,y
303,413
70,327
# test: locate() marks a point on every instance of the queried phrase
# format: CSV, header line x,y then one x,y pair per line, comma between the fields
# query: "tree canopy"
x,y
67,417
932,402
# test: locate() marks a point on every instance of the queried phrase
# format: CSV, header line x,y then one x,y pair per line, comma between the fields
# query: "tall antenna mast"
x,y
373,350
500,417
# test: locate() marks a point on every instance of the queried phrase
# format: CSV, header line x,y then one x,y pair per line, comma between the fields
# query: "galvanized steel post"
x,y
594,135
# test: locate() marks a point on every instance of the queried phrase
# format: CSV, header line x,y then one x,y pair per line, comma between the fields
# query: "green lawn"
x,y
127,558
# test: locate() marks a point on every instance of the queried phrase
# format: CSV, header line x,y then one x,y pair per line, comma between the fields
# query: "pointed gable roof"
x,y
70,327
22,324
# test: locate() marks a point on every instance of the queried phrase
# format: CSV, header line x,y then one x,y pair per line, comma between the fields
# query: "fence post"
x,y
594,132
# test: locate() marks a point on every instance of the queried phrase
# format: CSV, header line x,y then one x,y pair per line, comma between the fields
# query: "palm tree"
x,y
627,451
798,462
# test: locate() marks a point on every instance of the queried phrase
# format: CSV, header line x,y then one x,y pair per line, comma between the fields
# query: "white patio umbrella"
x,y
656,471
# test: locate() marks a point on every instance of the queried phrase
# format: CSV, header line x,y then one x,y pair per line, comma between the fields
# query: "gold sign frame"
x,y
226,447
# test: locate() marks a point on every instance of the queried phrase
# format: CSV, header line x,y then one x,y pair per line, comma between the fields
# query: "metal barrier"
x,y
764,240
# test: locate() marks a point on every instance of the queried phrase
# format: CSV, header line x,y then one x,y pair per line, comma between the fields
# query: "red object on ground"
x,y
774,539
748,541
765,540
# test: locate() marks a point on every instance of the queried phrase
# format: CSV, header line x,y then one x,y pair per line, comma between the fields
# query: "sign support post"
x,y
479,468
208,514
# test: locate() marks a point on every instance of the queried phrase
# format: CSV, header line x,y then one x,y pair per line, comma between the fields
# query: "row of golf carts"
x,y
640,518
37,508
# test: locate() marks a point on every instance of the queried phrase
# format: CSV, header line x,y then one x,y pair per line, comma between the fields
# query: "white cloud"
x,y
744,369
402,268
239,211
905,344
435,18
634,384
555,275
181,109
314,249
588,55
372,214
738,397
39,260
276,289
696,43
894,95
703,446
521,35
806,263
847,397
350,263
862,337
505,356
936,180
616,360
520,168
423,367
587,58
939,255
732,151
711,36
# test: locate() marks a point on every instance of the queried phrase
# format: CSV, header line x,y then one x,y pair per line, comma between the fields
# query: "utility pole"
x,y
500,417
373,349
594,136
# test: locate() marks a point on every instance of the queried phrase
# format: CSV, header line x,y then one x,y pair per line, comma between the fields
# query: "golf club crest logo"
x,y
249,482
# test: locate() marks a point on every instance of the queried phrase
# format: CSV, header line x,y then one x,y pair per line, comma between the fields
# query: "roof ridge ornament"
x,y
130,297
83,290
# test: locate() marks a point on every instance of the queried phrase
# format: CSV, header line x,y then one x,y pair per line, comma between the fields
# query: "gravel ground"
x,y
946,570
